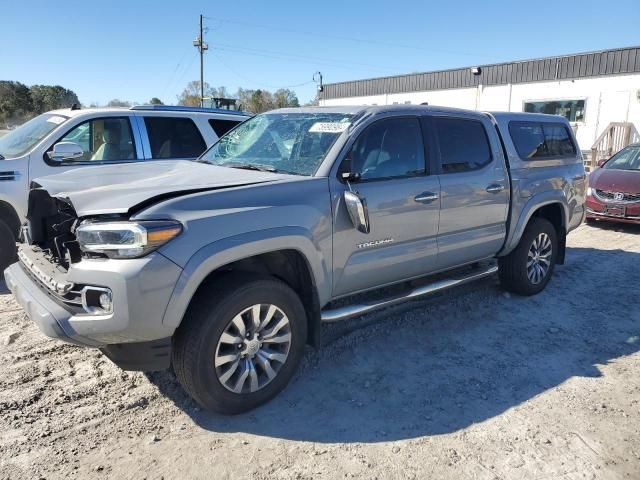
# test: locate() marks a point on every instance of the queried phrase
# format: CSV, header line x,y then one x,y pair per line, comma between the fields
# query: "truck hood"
x,y
121,188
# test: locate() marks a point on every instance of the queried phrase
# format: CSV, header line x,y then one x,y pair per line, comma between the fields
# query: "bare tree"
x,y
190,96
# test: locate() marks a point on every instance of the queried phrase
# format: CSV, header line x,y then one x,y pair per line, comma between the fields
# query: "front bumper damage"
x,y
132,334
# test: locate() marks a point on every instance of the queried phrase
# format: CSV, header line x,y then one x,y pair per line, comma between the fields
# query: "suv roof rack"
x,y
180,108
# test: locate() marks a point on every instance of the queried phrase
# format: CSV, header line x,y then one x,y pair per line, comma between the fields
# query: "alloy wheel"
x,y
253,348
539,258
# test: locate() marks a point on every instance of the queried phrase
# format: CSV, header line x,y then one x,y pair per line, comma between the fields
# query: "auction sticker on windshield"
x,y
329,127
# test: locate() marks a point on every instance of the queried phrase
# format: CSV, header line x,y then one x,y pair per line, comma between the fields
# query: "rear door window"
x,y
174,137
558,141
464,145
220,126
539,141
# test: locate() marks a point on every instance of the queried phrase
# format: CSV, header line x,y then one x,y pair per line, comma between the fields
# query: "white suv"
x,y
66,139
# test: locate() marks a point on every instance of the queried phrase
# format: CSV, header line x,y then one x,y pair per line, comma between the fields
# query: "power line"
x,y
193,58
252,81
350,39
173,74
298,56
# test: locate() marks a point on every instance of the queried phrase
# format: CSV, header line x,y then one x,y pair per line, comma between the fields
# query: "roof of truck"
x,y
524,116
353,109
356,109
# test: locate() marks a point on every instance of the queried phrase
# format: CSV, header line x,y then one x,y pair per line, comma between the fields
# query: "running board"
x,y
357,309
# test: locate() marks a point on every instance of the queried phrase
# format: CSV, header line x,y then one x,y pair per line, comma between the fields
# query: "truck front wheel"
x,y
7,247
240,343
528,268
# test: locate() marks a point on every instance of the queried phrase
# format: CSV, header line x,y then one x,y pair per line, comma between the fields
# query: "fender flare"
x,y
215,255
534,203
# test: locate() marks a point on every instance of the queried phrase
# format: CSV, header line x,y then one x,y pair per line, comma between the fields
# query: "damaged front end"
x,y
95,280
50,228
49,247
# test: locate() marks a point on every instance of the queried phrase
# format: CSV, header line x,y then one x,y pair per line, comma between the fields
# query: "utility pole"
x,y
317,77
201,46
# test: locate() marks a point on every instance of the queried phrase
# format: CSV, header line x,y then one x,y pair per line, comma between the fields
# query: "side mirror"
x,y
65,151
357,209
602,162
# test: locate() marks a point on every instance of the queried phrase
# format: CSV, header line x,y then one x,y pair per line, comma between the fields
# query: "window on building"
x,y
572,110
463,144
220,127
174,137
537,141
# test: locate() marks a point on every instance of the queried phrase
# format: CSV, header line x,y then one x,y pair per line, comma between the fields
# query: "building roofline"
x,y
334,90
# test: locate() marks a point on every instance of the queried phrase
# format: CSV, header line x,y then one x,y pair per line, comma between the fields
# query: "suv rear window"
x,y
220,127
174,137
539,141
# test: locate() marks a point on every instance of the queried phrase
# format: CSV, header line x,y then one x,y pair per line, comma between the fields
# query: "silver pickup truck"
x,y
224,268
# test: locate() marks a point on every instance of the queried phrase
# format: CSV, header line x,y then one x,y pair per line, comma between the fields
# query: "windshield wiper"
x,y
258,167
252,166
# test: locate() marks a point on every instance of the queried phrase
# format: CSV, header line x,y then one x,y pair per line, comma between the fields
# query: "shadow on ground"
x,y
443,364
615,226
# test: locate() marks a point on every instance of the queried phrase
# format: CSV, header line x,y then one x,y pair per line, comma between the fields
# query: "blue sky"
x,y
134,50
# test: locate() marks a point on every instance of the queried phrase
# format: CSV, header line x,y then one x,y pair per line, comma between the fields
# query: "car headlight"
x,y
126,239
590,192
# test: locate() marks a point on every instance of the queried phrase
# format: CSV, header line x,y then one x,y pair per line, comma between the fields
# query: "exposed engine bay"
x,y
51,224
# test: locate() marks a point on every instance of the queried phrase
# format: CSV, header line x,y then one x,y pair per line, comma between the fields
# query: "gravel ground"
x,y
472,384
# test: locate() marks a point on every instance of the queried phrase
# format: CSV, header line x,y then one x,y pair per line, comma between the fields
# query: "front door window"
x,y
103,140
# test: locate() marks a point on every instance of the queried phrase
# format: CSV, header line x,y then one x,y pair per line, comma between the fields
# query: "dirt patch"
x,y
472,384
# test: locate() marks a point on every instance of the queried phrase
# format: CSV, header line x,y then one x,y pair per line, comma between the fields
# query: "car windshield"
x,y
626,159
19,141
279,142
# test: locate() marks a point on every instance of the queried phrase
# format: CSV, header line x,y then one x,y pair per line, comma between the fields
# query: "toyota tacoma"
x,y
224,268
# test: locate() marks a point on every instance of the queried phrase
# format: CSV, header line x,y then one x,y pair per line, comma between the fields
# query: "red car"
x,y
614,189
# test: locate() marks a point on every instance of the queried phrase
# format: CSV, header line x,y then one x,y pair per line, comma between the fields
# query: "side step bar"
x,y
357,309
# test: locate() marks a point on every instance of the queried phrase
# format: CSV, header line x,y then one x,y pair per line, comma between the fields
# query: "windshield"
x,y
281,142
19,141
626,159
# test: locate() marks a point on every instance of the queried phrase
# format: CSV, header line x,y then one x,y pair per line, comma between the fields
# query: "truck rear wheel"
x,y
240,342
528,268
7,247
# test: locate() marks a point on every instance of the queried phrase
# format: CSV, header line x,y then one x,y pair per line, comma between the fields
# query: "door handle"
x,y
495,188
426,197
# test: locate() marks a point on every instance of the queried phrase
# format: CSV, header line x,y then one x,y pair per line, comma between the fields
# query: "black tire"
x,y
7,247
513,267
211,311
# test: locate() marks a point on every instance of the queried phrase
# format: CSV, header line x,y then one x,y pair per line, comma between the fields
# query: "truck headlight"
x,y
125,239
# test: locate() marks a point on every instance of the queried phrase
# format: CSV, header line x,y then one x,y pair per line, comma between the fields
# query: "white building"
x,y
592,90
